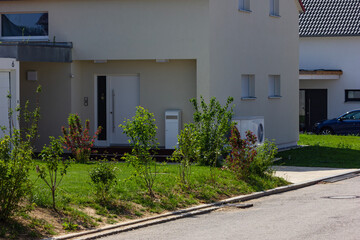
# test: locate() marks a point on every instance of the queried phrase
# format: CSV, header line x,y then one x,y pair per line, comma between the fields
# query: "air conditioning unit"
x,y
253,124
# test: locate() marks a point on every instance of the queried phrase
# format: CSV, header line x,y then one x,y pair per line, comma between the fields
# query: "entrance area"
x,y
4,100
117,99
313,107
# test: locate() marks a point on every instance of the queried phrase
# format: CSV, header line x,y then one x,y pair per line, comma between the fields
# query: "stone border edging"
x,y
201,209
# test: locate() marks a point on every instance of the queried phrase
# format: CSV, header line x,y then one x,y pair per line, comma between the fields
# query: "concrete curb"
x,y
200,209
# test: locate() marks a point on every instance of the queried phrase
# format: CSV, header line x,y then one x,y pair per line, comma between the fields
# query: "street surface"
x,y
303,214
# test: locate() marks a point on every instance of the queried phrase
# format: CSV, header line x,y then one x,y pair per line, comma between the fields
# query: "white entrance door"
x,y
124,98
4,101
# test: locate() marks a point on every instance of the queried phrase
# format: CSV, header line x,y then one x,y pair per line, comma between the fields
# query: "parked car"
x,y
348,123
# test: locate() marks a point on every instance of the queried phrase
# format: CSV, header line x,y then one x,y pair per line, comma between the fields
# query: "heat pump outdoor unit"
x,y
172,128
252,123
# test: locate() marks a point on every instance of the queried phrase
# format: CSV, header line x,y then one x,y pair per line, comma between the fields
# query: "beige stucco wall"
x,y
128,29
255,43
223,43
54,100
162,86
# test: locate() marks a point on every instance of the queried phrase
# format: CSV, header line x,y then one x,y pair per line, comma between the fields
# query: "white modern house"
x,y
102,58
329,59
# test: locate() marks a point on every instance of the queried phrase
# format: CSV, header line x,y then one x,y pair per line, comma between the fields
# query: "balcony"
x,y
37,51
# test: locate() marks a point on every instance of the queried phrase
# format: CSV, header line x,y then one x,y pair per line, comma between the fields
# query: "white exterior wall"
x,y
341,53
255,43
12,66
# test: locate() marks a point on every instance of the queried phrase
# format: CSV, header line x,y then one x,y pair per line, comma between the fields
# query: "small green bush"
x,y
185,154
103,178
16,158
15,163
264,159
142,133
212,123
55,166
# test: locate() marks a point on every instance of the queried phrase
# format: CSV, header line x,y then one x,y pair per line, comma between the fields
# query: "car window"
x,y
352,116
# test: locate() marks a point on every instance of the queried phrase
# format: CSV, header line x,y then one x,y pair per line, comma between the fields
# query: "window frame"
x,y
248,87
347,99
23,38
244,6
274,82
274,10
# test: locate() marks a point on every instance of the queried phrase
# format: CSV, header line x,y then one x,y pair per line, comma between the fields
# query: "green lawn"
x,y
75,197
324,151
76,187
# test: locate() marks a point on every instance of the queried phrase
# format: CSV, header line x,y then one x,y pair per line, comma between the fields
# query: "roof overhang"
x,y
37,51
300,6
320,74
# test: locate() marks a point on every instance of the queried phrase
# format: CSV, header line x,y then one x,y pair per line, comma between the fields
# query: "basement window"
x,y
352,95
25,26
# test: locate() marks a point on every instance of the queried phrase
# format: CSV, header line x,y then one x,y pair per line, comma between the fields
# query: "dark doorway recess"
x,y
313,107
101,111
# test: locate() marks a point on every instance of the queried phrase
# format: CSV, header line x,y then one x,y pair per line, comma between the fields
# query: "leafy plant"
x,y
185,154
55,166
78,139
264,159
103,177
68,225
142,133
243,153
212,125
16,159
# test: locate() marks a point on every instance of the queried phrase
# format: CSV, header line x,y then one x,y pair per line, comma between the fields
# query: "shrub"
x,y
243,153
15,163
264,159
184,153
103,178
77,139
16,159
55,166
142,133
212,125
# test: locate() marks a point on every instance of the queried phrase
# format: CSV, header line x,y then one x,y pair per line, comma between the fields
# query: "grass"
x,y
324,151
129,200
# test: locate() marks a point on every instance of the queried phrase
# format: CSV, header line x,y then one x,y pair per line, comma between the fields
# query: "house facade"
x,y
329,60
100,59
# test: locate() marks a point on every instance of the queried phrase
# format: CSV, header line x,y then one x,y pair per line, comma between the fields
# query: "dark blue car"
x,y
348,123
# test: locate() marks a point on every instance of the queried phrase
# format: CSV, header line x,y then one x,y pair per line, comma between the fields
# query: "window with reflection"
x,y
24,25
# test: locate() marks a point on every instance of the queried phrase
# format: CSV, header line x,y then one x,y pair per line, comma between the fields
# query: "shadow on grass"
x,y
317,156
13,229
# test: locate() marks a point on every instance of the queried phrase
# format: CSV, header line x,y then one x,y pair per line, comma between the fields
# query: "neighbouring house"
x,y
329,60
100,59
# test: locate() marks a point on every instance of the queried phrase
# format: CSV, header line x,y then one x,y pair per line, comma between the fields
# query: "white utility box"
x,y
252,123
172,128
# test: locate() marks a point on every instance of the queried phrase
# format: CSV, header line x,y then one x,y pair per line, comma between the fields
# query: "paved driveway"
x,y
305,174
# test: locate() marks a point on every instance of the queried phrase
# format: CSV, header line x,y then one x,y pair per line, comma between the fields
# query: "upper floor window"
x,y
274,86
25,26
248,86
274,8
244,5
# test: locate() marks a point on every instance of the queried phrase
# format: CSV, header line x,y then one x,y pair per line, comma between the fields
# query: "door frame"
x,y
107,142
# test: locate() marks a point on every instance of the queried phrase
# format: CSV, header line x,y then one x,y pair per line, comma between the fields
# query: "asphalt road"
x,y
304,214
